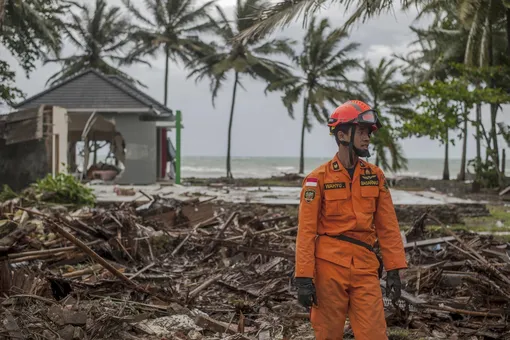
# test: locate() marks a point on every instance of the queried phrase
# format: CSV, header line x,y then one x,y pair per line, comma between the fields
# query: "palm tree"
x,y
323,66
173,28
471,33
283,12
30,30
100,33
32,27
380,88
442,43
250,57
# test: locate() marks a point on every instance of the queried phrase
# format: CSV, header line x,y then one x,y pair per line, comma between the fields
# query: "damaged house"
x,y
41,136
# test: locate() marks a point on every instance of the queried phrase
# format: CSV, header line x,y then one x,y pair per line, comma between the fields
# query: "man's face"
x,y
361,137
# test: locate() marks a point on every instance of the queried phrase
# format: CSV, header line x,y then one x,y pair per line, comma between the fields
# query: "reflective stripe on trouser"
x,y
345,291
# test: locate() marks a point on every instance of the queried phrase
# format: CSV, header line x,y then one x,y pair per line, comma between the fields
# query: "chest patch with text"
x,y
330,186
369,181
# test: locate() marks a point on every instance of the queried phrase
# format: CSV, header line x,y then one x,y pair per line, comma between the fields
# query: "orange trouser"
x,y
343,291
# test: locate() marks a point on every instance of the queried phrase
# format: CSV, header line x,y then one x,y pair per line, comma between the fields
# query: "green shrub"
x,y
63,189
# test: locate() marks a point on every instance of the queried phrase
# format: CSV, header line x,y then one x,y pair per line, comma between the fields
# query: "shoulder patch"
x,y
336,167
309,195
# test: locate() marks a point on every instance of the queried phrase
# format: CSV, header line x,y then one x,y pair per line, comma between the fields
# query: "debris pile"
x,y
173,269
194,269
459,283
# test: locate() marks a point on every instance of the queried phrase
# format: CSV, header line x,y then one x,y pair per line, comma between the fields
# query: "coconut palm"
x,y
323,65
471,33
251,57
488,22
29,30
173,27
32,26
380,88
100,34
283,12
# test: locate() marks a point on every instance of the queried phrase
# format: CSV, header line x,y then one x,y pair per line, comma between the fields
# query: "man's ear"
x,y
342,136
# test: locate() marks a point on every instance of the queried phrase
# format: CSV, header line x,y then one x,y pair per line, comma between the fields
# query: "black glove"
x,y
306,291
393,285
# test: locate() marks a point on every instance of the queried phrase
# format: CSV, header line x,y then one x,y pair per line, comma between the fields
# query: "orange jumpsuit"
x,y
345,274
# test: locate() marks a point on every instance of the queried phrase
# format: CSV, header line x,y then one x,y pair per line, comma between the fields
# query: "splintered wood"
x,y
165,257
160,271
462,281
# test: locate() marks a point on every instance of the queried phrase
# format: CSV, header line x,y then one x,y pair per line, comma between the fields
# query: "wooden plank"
x,y
18,116
22,131
5,275
219,327
428,242
25,125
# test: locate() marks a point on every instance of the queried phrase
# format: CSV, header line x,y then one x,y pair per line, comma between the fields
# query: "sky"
x,y
261,124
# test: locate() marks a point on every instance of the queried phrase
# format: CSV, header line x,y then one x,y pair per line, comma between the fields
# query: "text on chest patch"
x,y
369,181
337,185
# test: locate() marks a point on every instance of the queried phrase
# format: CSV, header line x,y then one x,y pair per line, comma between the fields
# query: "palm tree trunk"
x,y
507,31
2,12
229,143
446,170
478,134
493,133
494,107
167,57
303,128
462,174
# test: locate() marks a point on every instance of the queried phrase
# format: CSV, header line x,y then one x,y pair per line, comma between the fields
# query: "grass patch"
x,y
497,221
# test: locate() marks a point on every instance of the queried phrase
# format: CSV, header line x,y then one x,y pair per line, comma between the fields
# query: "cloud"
x,y
262,126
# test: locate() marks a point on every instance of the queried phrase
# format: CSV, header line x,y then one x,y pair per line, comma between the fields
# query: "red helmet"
x,y
354,112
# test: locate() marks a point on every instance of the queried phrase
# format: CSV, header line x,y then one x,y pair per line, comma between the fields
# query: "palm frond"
x,y
280,14
100,33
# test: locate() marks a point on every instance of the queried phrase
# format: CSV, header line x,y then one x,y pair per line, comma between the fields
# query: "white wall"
x,y
60,127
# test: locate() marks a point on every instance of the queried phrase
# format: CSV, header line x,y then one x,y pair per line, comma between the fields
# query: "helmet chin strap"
x,y
354,150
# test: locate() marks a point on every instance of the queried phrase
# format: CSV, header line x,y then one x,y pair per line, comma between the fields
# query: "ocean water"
x,y
263,167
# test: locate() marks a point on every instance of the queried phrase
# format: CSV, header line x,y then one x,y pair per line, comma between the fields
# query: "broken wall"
x,y
60,140
141,154
33,143
23,163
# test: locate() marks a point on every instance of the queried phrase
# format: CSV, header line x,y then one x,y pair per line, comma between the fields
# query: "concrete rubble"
x,y
261,195
408,204
199,268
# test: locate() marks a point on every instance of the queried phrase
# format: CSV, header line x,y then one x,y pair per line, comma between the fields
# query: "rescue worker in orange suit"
x,y
345,206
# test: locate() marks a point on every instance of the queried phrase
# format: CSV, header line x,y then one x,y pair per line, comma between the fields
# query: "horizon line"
x,y
317,157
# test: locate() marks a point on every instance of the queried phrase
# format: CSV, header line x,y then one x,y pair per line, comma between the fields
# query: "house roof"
x,y
92,89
